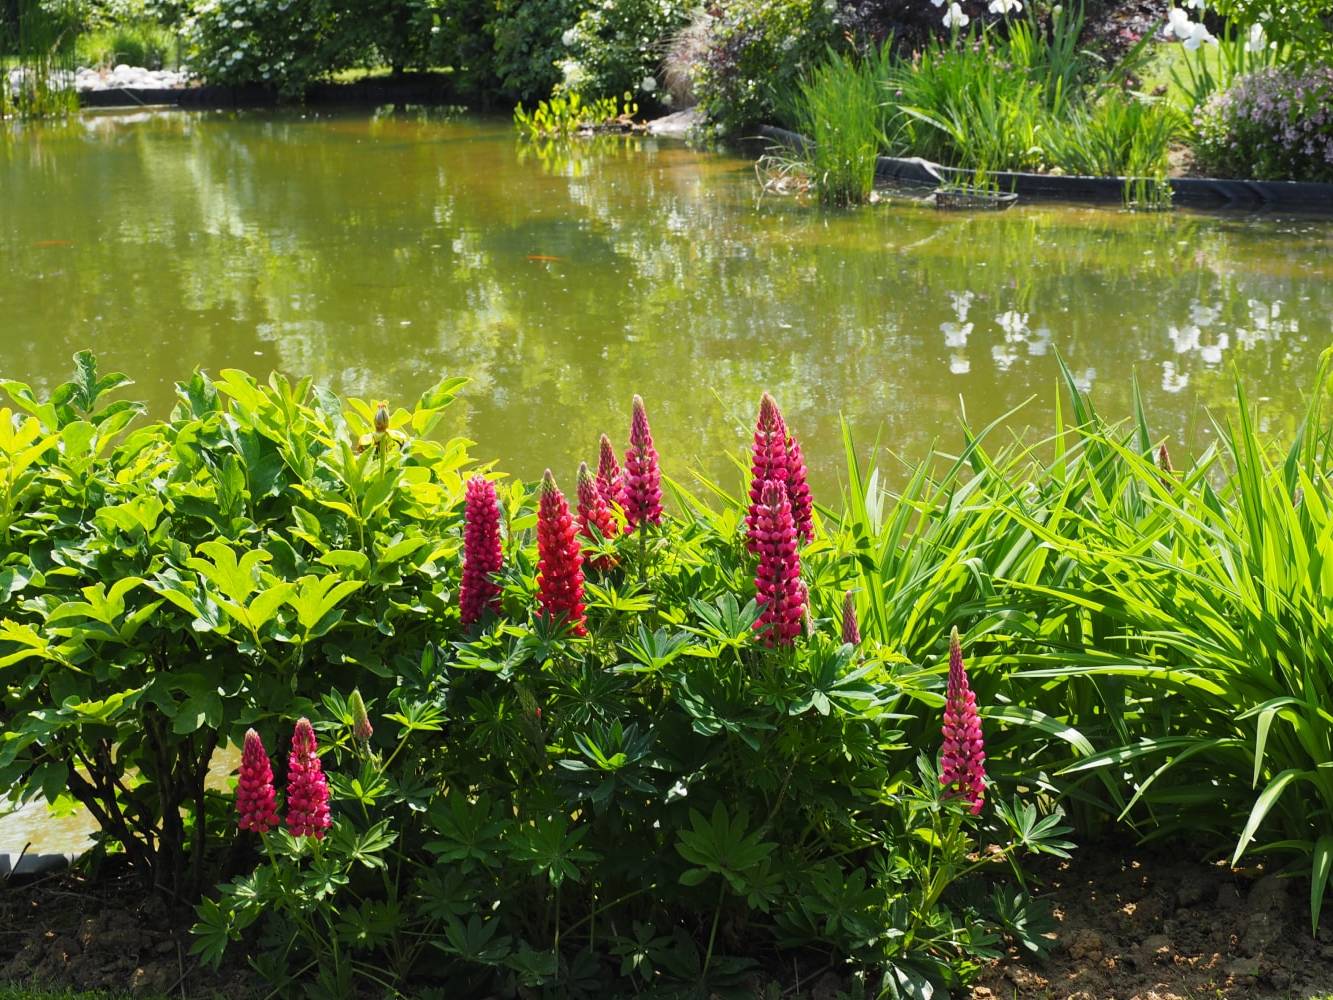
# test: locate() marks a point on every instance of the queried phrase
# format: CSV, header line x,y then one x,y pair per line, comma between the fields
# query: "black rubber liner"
x,y
1197,192
423,88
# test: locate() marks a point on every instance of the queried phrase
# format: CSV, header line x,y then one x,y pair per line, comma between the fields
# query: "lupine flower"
x,y
307,788
1164,459
798,491
361,727
482,554
768,461
381,418
256,801
777,581
643,474
851,631
610,480
559,559
594,513
963,757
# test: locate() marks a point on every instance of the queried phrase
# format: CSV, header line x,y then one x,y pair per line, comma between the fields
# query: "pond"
x,y
379,250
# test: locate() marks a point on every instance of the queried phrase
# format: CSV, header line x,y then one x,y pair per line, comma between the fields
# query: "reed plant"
x,y
46,35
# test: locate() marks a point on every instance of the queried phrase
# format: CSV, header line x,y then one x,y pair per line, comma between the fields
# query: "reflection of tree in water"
x,y
377,253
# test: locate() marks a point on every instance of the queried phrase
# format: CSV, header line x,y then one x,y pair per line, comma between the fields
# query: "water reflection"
x,y
377,251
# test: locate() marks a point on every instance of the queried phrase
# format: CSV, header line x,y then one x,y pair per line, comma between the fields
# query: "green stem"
x,y
712,934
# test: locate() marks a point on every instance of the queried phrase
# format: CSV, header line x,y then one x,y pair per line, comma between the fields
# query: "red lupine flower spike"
x,y
963,756
610,480
851,631
777,582
798,491
307,788
256,800
594,513
559,560
643,474
482,553
768,461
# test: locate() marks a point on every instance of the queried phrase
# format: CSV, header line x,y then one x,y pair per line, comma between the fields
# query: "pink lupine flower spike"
x,y
963,756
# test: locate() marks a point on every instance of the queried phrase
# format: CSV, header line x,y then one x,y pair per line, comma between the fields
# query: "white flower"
x,y
1258,40
938,3
667,100
1199,35
1005,7
1196,4
573,72
1178,23
648,85
238,24
955,18
570,36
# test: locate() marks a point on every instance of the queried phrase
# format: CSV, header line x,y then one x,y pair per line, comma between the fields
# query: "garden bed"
x,y
1195,192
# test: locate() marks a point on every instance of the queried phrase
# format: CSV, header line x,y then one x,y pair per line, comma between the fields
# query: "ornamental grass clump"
x,y
1274,124
963,756
307,788
778,588
559,560
643,473
256,800
482,553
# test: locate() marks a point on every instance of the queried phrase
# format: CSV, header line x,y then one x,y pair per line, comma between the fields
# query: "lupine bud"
x,y
778,587
482,554
610,480
798,491
307,788
643,474
851,631
559,560
768,461
963,757
1164,459
256,801
361,727
594,513
381,418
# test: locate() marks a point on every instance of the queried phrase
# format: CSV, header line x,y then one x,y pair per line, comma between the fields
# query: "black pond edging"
x,y
432,88
25,866
1197,192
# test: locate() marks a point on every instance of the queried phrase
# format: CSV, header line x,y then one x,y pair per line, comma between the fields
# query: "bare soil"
x,y
1145,926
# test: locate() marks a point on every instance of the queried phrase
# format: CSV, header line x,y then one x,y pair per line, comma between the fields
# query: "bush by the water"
x,y
571,738
1273,124
619,48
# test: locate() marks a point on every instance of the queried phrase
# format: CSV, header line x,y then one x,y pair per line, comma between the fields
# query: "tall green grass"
x,y
839,106
1156,647
45,46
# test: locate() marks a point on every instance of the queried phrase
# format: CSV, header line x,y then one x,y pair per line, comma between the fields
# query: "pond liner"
x,y
21,867
1196,192
421,88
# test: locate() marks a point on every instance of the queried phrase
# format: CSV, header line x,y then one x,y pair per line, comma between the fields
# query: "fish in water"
x,y
543,257
54,243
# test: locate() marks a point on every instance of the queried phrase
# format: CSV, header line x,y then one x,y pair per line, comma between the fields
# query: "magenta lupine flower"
x,y
256,801
777,581
798,491
610,480
307,788
768,462
851,631
643,474
594,513
963,757
559,560
482,554
1164,459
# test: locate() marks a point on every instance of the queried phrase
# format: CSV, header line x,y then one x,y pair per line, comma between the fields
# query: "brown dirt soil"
x,y
1144,926
109,934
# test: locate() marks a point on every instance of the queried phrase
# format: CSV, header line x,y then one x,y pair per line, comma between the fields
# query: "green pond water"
x,y
378,251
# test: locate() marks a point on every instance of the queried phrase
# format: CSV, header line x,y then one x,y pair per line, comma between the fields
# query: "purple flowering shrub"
x,y
1275,124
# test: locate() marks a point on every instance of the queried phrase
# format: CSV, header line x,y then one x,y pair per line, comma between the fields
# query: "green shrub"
x,y
167,587
757,52
140,44
1273,124
619,48
528,42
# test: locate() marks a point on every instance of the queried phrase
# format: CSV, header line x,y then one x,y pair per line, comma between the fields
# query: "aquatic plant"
x,y
559,561
483,556
307,788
